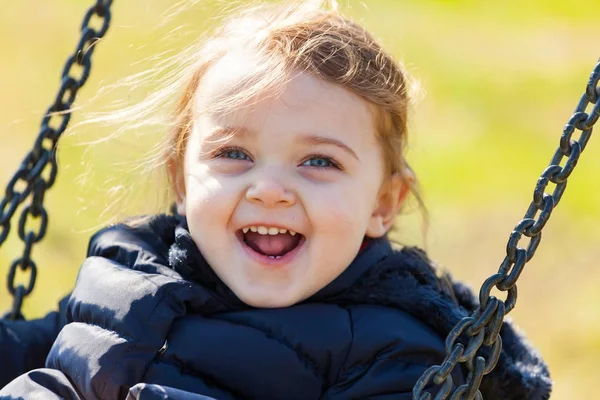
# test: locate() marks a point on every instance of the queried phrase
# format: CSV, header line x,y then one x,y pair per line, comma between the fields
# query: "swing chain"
x,y
38,169
482,327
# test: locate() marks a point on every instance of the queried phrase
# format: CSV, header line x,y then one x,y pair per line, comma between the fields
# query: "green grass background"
x,y
500,81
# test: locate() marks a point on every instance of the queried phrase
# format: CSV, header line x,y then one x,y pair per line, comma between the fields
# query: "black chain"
x,y
483,326
38,169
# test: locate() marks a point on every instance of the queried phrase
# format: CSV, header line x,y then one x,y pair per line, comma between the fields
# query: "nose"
x,y
270,193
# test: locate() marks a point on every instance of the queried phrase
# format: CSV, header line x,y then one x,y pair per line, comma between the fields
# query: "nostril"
x,y
270,194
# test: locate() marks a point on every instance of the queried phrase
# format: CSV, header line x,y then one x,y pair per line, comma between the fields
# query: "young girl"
x,y
275,279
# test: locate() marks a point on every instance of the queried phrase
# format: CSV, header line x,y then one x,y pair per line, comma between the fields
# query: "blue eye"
x,y
236,155
233,153
320,162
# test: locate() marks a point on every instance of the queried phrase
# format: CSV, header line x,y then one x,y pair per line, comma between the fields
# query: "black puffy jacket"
x,y
148,318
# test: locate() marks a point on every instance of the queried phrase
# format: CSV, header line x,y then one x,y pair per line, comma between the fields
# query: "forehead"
x,y
222,80
239,90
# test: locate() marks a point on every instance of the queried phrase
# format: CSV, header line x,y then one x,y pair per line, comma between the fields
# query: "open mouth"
x,y
270,242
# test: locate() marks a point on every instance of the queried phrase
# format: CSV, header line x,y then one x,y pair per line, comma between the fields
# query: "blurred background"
x,y
500,80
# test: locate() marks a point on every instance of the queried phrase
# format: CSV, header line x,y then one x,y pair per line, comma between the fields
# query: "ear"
x,y
177,180
390,199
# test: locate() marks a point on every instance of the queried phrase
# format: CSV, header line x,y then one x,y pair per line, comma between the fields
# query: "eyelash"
x,y
222,152
333,163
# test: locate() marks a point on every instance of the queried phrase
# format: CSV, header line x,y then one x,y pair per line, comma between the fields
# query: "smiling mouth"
x,y
271,246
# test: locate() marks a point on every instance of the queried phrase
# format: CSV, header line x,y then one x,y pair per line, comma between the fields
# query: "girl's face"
x,y
281,208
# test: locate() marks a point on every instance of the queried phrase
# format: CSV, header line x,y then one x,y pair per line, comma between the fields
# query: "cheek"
x,y
201,188
209,202
342,210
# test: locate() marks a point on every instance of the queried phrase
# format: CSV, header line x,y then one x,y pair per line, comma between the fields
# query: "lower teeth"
x,y
274,257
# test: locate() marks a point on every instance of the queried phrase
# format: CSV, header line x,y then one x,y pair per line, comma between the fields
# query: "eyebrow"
x,y
314,140
224,132
310,140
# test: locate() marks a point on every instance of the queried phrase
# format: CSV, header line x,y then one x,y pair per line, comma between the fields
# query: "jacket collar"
x,y
374,251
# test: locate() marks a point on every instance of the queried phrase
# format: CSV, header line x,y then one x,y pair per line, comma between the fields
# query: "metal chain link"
x,y
38,169
482,328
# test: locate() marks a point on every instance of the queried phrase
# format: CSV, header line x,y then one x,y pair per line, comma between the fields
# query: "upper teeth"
x,y
266,230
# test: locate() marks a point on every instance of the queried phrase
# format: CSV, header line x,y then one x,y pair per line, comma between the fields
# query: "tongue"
x,y
271,245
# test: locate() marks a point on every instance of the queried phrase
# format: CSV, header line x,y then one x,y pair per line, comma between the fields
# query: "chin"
x,y
269,300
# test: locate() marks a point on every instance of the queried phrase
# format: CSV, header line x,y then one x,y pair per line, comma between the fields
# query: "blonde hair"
x,y
309,36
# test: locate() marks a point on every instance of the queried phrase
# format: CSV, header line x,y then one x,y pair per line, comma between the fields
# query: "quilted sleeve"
x,y
144,391
24,345
41,383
